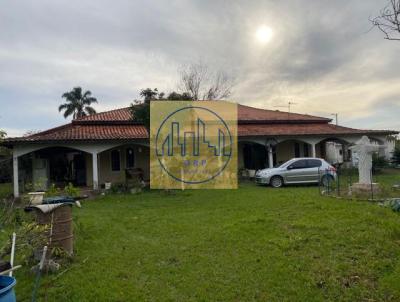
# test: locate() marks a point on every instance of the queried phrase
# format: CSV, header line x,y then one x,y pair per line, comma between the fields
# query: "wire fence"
x,y
343,183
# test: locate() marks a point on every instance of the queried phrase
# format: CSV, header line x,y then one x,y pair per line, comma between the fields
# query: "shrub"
x,y
117,188
72,191
379,162
52,191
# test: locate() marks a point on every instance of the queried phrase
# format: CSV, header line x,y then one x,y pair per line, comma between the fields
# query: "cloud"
x,y
321,56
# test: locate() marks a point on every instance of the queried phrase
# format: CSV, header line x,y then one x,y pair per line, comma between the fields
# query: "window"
x,y
296,150
115,160
130,158
300,164
314,163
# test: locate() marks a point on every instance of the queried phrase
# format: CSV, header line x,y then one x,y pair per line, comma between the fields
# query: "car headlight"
x,y
263,173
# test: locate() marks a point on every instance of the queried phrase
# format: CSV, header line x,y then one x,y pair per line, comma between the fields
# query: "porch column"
x,y
15,176
270,157
95,171
313,151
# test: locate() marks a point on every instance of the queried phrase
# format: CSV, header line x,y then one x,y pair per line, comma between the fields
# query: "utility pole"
x,y
336,117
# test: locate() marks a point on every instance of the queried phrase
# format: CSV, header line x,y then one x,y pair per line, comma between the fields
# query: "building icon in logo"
x,y
190,141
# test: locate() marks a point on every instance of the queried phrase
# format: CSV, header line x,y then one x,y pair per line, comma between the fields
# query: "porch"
x,y
94,164
36,167
256,153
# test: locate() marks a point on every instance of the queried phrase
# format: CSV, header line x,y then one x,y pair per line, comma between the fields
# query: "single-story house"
x,y
103,147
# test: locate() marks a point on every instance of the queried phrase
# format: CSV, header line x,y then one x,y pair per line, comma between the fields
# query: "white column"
x,y
270,157
313,151
15,175
95,171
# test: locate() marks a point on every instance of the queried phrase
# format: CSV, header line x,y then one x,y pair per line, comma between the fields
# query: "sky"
x,y
321,55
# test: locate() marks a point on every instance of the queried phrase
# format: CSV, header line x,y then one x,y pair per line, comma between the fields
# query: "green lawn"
x,y
5,190
251,244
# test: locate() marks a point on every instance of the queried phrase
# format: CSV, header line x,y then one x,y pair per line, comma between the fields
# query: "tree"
x,y
175,96
3,151
140,109
77,103
203,84
388,20
3,134
149,94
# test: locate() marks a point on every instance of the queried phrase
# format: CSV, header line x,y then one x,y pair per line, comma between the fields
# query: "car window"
x,y
314,163
285,164
299,164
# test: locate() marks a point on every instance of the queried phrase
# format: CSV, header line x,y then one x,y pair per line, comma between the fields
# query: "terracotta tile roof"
x,y
252,115
302,129
77,132
121,114
245,114
118,125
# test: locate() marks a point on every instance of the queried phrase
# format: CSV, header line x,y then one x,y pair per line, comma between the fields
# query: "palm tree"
x,y
78,104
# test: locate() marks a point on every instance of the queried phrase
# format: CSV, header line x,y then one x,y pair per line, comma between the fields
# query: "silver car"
x,y
297,171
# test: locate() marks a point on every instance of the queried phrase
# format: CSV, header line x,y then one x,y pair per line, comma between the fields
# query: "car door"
x,y
313,167
296,171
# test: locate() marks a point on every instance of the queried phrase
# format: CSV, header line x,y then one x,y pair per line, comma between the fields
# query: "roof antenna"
x,y
288,106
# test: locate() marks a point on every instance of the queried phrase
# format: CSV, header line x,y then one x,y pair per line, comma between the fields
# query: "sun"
x,y
264,34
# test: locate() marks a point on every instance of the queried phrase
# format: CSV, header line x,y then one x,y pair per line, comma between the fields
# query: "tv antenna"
x,y
288,106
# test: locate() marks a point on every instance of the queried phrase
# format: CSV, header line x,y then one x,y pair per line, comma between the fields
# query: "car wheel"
x,y
276,182
327,180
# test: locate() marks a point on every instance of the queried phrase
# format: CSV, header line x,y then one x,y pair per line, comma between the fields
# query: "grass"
x,y
251,244
5,190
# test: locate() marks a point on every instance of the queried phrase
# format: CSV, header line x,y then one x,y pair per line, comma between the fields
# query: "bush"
x,y
379,162
72,191
52,191
30,235
118,188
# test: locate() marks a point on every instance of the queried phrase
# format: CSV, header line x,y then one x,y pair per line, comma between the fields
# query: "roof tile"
x,y
118,125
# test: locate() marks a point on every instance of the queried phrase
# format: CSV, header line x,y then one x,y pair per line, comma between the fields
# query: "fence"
x,y
385,184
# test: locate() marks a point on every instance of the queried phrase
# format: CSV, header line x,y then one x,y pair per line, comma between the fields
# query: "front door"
x,y
80,169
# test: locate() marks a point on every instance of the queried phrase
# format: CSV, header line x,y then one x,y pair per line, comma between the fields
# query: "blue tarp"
x,y
58,199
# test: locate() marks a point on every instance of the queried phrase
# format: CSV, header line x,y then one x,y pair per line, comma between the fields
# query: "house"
x,y
101,148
